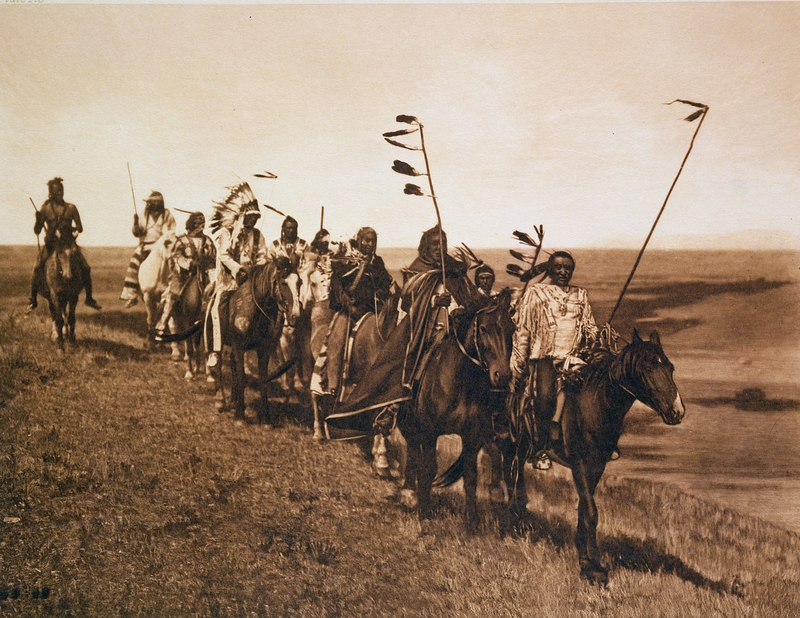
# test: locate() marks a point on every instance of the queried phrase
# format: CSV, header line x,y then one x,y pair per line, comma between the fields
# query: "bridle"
x,y
479,361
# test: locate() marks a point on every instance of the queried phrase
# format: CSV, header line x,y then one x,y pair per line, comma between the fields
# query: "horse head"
x,y
491,330
288,289
643,370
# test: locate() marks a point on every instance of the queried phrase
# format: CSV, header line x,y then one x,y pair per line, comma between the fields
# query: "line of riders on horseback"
x,y
510,372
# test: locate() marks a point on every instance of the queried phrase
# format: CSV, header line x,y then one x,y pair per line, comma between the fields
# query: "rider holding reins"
x,y
553,322
192,249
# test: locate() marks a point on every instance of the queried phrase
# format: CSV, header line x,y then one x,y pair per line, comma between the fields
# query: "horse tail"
x,y
184,335
452,474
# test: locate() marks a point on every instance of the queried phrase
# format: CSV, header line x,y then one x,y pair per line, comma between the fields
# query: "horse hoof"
x,y
595,575
318,435
210,379
408,498
188,375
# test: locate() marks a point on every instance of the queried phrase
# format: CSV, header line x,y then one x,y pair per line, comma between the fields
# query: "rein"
x,y
258,305
479,360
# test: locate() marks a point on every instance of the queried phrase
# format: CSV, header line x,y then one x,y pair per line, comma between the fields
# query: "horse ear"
x,y
636,337
655,339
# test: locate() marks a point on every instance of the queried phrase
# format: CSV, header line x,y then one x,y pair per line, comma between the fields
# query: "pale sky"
x,y
534,114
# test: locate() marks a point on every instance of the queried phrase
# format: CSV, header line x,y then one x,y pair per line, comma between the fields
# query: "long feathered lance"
x,y
402,167
700,113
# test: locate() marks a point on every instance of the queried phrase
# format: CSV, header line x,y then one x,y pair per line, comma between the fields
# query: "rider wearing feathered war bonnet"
x,y
240,246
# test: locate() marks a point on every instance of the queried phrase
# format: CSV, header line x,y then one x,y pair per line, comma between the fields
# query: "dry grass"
x,y
126,494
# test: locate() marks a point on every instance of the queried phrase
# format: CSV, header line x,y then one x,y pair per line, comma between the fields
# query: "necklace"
x,y
562,302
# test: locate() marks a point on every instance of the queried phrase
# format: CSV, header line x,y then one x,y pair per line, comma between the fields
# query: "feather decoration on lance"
x,y
400,132
401,145
467,255
407,119
412,189
402,167
265,175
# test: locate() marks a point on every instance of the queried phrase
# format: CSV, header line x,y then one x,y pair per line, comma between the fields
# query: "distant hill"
x,y
746,240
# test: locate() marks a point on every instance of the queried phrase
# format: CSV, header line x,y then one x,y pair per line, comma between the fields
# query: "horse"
x,y
591,425
368,338
253,320
458,393
153,281
62,285
186,322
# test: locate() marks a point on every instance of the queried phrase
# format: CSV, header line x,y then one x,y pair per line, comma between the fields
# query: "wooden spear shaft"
x,y
660,212
435,205
130,179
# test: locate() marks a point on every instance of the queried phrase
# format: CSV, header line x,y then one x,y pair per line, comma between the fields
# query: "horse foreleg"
x,y
263,414
427,472
586,476
238,379
514,476
408,493
71,322
319,436
470,453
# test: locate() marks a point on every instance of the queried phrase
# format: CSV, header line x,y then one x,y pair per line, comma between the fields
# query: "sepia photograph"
x,y
402,309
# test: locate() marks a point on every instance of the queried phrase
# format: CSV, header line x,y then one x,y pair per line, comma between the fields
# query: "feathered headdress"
x,y
229,212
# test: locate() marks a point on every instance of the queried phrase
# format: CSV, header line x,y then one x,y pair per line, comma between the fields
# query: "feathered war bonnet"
x,y
230,212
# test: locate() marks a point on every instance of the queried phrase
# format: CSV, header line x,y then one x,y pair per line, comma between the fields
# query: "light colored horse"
x,y
153,282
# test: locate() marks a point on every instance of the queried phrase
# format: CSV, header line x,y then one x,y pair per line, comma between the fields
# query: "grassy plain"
x,y
124,493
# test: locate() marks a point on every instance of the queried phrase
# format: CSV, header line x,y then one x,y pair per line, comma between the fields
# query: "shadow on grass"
x,y
104,348
134,322
645,557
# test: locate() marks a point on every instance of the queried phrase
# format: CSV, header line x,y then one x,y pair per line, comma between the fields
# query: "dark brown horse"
x,y
457,394
186,322
63,283
591,425
253,320
370,335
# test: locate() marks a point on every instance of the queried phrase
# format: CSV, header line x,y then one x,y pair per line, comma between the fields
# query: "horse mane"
x,y
478,303
264,278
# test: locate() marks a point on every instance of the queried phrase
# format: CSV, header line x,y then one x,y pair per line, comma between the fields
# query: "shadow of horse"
x,y
120,320
111,349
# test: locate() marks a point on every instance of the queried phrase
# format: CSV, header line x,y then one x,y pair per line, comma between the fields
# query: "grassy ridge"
x,y
126,494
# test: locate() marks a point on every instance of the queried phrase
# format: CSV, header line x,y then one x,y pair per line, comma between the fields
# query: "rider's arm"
x,y
225,256
260,253
169,222
39,224
76,219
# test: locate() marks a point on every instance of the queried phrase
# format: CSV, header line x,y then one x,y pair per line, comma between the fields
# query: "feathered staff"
x,y
526,274
401,167
700,113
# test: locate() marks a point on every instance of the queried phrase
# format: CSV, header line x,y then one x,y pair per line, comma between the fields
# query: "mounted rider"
x,y
294,248
158,221
61,223
315,291
554,322
240,247
192,251
429,303
360,284
484,280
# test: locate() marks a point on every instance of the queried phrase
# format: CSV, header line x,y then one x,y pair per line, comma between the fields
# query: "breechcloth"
x,y
219,305
130,289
